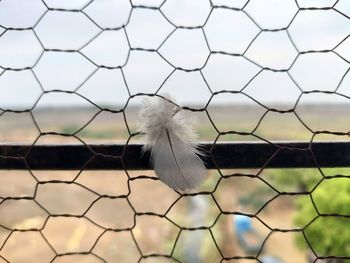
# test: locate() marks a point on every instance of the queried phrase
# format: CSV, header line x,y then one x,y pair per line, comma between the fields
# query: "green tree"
x,y
329,233
292,180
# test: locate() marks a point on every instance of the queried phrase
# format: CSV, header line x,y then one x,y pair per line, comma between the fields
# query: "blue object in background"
x,y
271,259
243,225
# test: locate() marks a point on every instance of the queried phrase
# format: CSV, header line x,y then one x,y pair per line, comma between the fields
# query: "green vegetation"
x,y
328,235
94,133
292,180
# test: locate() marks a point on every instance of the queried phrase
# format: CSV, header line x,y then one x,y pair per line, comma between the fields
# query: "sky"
x,y
229,31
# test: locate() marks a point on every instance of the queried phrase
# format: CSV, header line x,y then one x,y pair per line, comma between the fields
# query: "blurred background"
x,y
266,71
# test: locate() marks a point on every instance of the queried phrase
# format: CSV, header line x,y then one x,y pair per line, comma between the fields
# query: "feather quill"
x,y
171,142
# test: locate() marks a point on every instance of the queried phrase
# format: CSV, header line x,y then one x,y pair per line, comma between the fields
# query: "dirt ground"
x,y
153,234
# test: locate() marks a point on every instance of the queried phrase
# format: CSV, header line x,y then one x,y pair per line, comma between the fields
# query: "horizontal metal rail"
x,y
221,155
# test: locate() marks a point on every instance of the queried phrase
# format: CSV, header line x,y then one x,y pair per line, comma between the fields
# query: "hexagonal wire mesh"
x,y
228,58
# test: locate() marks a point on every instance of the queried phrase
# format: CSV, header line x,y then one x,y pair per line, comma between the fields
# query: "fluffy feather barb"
x,y
170,140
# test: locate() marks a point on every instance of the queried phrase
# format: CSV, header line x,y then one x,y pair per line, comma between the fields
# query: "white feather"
x,y
171,141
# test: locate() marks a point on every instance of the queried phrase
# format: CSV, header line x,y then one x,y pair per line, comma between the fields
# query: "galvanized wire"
x,y
11,232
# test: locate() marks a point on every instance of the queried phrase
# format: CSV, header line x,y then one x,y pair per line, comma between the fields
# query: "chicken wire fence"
x,y
100,203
